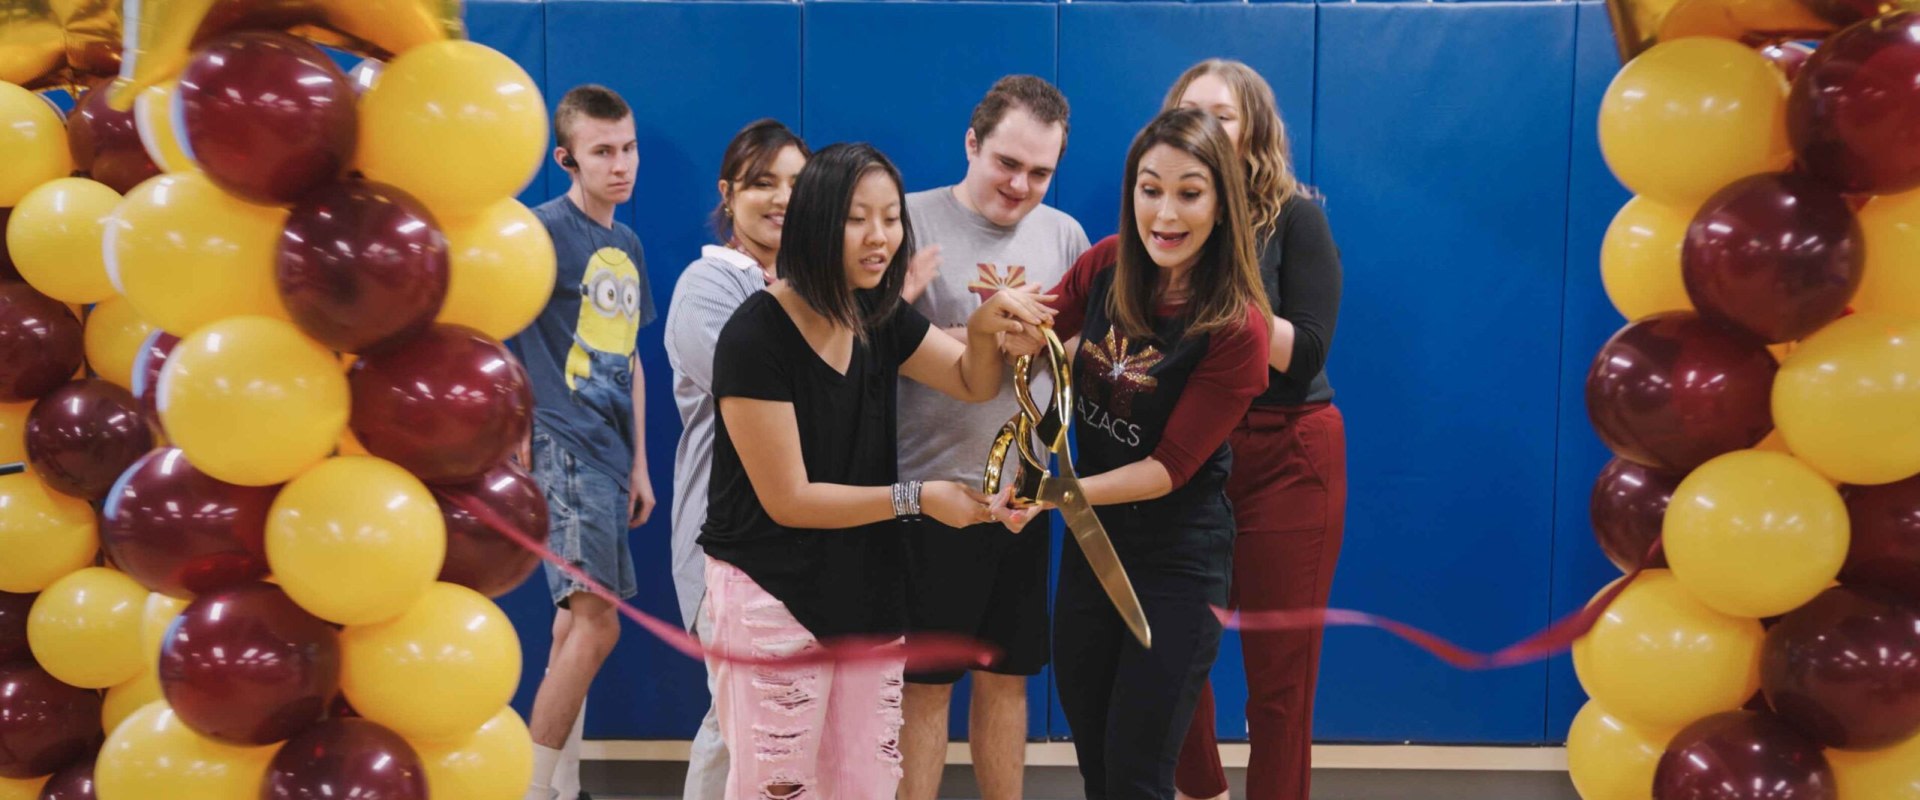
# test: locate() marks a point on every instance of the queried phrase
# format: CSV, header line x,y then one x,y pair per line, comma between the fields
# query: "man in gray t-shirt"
x,y
993,235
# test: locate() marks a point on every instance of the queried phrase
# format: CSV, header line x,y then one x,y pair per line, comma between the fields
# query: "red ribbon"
x,y
944,651
925,652
1556,639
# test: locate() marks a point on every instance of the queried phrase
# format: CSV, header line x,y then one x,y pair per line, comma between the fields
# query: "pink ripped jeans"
x,y
822,732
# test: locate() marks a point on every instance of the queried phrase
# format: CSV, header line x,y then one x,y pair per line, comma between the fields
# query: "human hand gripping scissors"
x,y
1035,484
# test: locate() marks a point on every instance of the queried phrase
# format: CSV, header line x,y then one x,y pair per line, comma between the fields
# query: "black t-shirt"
x,y
1300,265
835,582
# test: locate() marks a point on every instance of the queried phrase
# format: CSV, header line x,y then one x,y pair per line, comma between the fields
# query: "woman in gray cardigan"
x,y
756,179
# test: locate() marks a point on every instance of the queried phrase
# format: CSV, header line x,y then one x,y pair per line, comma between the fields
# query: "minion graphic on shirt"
x,y
609,315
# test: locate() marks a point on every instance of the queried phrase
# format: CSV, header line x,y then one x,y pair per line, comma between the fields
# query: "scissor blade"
x,y
1063,491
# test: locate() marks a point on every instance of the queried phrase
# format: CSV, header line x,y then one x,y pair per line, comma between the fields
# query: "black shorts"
x,y
985,582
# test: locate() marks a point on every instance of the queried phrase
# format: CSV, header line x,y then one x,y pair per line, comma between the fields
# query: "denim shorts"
x,y
587,513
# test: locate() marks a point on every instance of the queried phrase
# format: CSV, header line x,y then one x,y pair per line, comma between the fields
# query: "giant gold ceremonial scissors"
x,y
1037,485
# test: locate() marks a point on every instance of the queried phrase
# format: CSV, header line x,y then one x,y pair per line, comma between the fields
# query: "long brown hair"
x,y
1226,279
1263,137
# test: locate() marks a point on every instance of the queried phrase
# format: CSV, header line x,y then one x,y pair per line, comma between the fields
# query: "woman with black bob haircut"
x,y
799,535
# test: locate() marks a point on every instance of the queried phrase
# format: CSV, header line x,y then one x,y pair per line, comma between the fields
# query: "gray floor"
x,y
661,780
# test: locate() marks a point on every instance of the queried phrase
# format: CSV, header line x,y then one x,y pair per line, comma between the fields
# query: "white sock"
x,y
566,772
543,760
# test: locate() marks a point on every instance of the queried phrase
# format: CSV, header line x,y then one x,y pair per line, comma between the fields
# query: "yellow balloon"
x,y
1848,399
85,628
54,236
356,540
456,124
129,697
114,334
438,671
29,788
1891,280
1611,759
153,117
1640,259
155,756
44,534
252,401
350,445
1891,773
501,268
494,763
155,618
13,432
1658,658
1755,533
1690,116
186,253
34,140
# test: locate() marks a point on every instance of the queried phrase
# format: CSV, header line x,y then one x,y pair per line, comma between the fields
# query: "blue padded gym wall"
x,y
1594,197
1442,151
1454,147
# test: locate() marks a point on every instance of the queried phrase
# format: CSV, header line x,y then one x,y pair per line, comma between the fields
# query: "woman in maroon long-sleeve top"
x,y
1174,326
1289,482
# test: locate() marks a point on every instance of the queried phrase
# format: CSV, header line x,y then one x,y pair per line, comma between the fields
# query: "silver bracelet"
x,y
906,499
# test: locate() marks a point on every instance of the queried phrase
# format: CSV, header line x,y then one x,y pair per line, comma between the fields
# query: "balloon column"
x,y
1763,407
251,314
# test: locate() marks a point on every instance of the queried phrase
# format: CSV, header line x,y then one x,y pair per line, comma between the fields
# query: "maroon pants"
x,y
1289,493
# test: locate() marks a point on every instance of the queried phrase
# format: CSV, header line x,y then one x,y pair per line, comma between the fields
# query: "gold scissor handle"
x,y
1018,433
1053,425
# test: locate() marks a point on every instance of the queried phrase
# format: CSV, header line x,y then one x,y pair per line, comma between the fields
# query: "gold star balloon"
x,y
162,34
58,44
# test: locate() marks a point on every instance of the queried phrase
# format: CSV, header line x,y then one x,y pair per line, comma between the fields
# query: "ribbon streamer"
x,y
1554,640
946,651
931,651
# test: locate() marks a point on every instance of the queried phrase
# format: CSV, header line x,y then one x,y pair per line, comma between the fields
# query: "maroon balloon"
x,y
1844,669
82,436
1844,12
1778,255
13,625
248,666
1788,56
478,557
1853,115
106,144
8,272
44,724
449,405
73,783
1628,506
268,116
146,374
1672,390
362,266
346,758
1742,755
1884,556
40,343
180,532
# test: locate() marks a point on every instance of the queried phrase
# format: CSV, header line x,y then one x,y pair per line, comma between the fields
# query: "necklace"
x,y
734,245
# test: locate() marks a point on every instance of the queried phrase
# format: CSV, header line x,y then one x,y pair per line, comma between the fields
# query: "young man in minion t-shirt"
x,y
586,450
